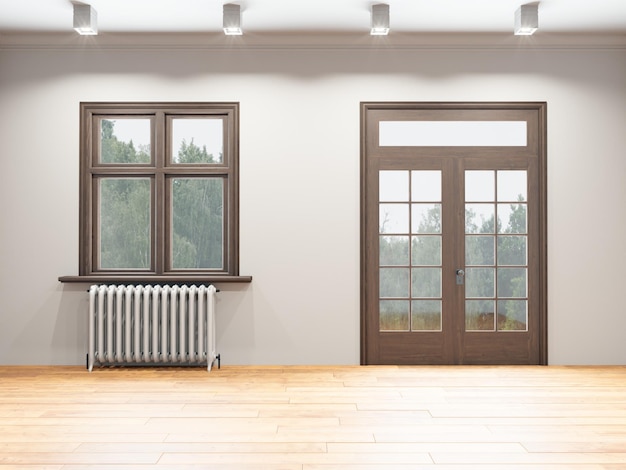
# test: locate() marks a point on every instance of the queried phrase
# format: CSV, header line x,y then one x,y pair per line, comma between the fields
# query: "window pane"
x,y
480,186
394,251
426,282
394,282
393,186
479,218
197,223
394,315
479,250
124,226
479,315
511,250
425,218
479,282
197,140
512,315
511,218
511,185
452,133
125,140
426,315
426,186
512,282
426,251
393,218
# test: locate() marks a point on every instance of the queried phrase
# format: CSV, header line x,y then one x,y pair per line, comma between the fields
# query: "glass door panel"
x,y
496,260
410,250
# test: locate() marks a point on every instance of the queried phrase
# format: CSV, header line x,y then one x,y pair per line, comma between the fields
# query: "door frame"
x,y
367,143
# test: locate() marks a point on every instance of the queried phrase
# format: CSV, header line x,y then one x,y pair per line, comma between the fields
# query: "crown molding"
x,y
310,41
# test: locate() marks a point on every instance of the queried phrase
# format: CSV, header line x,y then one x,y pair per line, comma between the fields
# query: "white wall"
x,y
300,186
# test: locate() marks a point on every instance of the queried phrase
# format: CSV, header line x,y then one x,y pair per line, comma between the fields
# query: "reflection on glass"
x,y
124,228
426,186
479,250
480,186
425,218
511,250
394,282
197,223
393,218
426,251
125,140
479,315
426,282
394,251
426,315
511,218
479,218
512,315
512,185
394,315
197,140
393,186
479,282
512,282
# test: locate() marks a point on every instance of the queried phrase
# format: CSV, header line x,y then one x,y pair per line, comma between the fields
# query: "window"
x,y
159,190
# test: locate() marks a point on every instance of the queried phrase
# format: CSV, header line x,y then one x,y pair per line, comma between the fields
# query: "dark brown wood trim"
x,y
154,279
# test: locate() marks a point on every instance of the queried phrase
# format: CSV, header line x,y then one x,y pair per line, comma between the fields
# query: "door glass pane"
x,y
512,315
479,250
480,186
197,140
512,282
426,186
479,315
426,315
425,218
394,251
197,223
394,315
393,186
393,218
124,224
479,282
512,186
125,140
394,282
512,250
452,133
511,218
426,282
426,251
479,218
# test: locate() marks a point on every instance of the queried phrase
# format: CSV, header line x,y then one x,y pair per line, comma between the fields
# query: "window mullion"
x,y
161,214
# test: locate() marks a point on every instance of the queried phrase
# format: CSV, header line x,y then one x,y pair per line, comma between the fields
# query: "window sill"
x,y
138,279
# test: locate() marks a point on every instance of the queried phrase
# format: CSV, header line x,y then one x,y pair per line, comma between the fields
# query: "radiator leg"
x,y
219,361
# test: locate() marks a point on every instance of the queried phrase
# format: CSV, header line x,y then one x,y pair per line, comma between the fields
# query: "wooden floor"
x,y
306,418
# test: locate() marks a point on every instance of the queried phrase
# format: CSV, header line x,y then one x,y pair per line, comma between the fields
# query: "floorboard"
x,y
314,418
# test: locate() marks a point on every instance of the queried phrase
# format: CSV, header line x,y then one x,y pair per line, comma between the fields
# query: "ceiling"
x,y
315,16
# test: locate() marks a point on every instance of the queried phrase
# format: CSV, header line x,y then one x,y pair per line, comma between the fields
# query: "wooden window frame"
x,y
160,170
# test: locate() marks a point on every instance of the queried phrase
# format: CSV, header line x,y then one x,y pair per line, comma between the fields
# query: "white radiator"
x,y
164,325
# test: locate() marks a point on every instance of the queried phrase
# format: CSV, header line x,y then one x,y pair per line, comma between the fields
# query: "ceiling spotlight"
x,y
85,20
232,20
526,19
380,20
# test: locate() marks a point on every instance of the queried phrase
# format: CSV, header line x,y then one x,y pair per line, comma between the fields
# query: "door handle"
x,y
460,277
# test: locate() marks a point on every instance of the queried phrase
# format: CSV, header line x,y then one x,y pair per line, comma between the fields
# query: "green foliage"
x,y
125,210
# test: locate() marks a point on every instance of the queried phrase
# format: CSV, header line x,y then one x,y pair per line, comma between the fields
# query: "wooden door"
x,y
453,233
